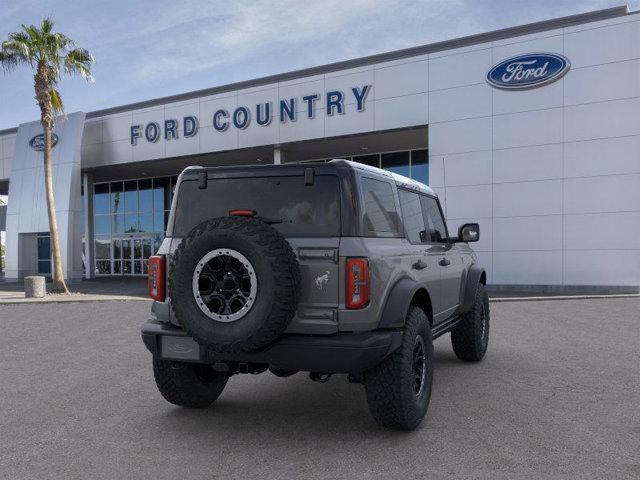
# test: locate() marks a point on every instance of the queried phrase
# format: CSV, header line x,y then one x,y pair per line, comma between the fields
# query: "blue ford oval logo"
x,y
528,71
37,142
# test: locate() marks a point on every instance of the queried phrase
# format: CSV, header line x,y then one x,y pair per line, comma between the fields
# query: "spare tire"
x,y
234,284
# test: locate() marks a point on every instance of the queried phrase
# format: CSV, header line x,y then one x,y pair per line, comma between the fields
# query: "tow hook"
x,y
319,377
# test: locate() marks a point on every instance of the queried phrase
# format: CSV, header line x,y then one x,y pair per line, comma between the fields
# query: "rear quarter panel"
x,y
389,261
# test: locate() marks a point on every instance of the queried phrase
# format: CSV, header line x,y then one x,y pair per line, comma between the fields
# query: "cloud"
x,y
148,49
246,30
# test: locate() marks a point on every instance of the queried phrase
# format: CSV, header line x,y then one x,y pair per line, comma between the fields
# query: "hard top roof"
x,y
298,168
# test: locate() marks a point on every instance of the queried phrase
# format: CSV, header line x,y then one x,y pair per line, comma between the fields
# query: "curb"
x,y
78,299
123,298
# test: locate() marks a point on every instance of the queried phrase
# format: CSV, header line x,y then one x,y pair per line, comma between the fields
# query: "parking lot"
x,y
557,396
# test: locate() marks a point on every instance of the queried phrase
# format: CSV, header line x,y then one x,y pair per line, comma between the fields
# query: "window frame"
x,y
443,218
404,226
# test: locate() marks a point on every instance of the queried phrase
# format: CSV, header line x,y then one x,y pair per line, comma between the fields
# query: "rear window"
x,y
305,210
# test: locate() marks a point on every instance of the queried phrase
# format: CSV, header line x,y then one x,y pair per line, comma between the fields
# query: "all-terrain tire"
x,y
277,275
470,338
390,386
188,385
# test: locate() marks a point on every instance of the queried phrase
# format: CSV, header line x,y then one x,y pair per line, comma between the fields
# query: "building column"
x,y
87,186
278,156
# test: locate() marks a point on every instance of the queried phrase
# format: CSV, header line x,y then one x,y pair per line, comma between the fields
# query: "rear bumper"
x,y
339,353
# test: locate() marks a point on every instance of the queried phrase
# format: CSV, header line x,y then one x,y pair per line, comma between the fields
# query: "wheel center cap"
x,y
229,284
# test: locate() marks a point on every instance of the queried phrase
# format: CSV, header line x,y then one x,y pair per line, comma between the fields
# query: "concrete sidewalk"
x,y
135,288
103,289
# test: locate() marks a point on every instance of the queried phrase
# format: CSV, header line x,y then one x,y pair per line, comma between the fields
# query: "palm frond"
x,y
19,44
79,60
47,25
56,101
35,35
8,60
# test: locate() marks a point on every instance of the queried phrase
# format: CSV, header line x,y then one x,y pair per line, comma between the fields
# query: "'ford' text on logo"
x,y
37,142
528,71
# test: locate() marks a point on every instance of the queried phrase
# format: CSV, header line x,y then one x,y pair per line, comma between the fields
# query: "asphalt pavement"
x,y
557,396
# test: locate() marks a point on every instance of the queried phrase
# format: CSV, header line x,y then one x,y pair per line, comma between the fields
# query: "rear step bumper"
x,y
339,353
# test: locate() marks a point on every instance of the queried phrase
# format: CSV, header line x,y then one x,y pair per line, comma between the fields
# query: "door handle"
x,y
419,265
445,262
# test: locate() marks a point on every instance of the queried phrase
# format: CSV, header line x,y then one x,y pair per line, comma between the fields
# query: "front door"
x,y
131,255
444,252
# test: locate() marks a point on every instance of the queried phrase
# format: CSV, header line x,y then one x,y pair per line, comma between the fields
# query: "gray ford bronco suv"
x,y
324,268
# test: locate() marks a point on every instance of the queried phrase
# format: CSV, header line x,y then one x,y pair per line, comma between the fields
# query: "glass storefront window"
x,y
146,250
117,197
145,195
413,164
44,246
101,198
102,247
397,162
131,196
44,266
103,267
158,221
118,223
371,160
127,213
126,249
131,223
44,252
102,225
161,193
420,166
146,222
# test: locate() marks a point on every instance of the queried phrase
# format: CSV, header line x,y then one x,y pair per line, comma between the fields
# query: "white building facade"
x,y
532,131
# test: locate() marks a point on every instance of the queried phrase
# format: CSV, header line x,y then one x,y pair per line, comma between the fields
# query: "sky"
x,y
149,49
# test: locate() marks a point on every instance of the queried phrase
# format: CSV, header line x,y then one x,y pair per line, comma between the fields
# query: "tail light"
x,y
357,282
156,277
242,213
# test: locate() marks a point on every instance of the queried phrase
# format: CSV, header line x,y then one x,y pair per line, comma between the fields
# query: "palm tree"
x,y
47,53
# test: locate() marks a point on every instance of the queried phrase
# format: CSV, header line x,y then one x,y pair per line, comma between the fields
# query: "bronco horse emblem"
x,y
321,280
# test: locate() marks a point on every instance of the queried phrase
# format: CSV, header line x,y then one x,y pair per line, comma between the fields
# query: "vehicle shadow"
x,y
270,408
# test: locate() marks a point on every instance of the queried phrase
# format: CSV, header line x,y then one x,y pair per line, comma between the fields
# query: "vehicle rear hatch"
x,y
306,209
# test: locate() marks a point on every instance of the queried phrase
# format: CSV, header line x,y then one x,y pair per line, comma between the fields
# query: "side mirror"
x,y
469,232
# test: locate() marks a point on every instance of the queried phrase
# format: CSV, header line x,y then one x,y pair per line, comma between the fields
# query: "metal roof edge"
x,y
9,131
494,35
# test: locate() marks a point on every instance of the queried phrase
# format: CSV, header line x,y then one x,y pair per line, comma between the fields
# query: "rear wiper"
x,y
270,221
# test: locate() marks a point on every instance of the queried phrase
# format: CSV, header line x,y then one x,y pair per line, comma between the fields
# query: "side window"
x,y
412,216
436,229
380,215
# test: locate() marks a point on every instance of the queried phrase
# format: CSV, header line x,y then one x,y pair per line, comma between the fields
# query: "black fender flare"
x,y
475,275
398,302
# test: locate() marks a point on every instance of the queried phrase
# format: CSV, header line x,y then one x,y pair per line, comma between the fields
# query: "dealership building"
x,y
532,131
